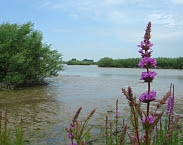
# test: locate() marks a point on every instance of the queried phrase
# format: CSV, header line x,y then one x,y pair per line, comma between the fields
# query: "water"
x,y
47,110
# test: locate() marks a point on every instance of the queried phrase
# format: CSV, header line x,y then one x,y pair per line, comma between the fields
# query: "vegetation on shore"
x,y
24,58
79,62
165,63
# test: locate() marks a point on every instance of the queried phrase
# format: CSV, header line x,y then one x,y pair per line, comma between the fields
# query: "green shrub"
x,y
105,62
24,59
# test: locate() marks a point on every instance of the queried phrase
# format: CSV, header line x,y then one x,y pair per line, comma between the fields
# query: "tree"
x,y
24,59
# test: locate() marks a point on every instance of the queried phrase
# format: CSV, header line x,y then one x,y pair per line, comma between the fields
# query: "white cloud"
x,y
166,35
117,12
162,18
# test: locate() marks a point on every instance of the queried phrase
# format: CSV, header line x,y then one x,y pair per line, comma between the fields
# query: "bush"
x,y
170,63
24,59
105,62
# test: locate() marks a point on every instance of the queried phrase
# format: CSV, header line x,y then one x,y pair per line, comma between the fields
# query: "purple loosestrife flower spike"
x,y
149,120
170,105
148,96
147,62
147,35
117,112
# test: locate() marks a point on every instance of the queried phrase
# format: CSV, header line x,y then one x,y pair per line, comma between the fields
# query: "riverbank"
x,y
162,63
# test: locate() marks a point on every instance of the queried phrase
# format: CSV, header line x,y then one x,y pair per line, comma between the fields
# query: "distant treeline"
x,y
79,62
166,63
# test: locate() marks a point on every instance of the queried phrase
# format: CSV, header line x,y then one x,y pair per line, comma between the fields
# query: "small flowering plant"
x,y
77,133
115,135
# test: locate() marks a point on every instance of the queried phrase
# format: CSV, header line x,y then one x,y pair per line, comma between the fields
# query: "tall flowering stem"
x,y
117,115
147,62
76,131
133,106
170,106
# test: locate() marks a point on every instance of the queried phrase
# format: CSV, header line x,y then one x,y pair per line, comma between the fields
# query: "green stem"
x,y
116,130
136,125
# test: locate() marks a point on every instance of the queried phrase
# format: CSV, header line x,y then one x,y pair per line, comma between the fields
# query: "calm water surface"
x,y
46,110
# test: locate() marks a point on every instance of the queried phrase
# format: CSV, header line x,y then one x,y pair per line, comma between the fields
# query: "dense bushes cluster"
x,y
24,59
166,63
170,63
123,63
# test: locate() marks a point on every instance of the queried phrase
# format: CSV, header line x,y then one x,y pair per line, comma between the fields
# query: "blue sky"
x,y
94,29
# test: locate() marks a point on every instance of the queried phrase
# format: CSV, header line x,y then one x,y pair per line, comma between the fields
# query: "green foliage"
x,y
121,63
77,62
166,63
24,59
170,63
115,136
175,138
19,139
105,62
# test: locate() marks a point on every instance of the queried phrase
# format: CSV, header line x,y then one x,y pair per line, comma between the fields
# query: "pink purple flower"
x,y
70,135
148,76
147,61
149,120
170,105
70,127
148,96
